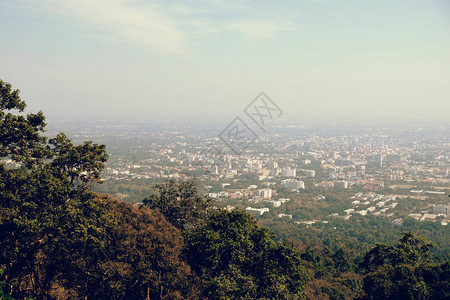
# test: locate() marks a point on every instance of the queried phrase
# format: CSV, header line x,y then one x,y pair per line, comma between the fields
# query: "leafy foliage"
x,y
59,240
411,249
43,224
235,259
405,271
20,136
143,257
82,164
179,203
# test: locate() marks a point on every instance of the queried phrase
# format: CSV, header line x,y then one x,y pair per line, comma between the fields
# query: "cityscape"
x,y
225,149
375,167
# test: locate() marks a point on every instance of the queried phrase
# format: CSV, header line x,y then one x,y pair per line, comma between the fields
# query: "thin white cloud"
x,y
253,30
226,4
261,30
182,9
204,27
124,21
162,27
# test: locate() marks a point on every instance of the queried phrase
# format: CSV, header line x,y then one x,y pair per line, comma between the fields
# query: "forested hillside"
x,y
60,240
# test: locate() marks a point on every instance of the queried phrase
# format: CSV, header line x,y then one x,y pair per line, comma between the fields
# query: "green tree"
x,y
20,136
82,164
143,258
404,271
40,212
42,224
59,240
437,277
341,261
235,259
179,203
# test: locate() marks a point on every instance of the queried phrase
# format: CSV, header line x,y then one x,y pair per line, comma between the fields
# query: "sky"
x,y
208,59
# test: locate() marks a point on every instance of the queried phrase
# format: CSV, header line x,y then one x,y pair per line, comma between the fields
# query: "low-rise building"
x,y
258,211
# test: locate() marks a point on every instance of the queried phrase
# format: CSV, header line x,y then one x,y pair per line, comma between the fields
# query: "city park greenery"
x,y
61,240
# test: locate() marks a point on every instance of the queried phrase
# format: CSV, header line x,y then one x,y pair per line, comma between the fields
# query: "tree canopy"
x,y
20,136
405,271
179,203
58,239
236,259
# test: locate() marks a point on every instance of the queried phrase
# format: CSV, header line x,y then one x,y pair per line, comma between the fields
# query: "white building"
x,y
293,184
392,205
371,209
415,216
259,211
288,172
284,200
429,217
265,193
284,215
362,212
343,184
274,203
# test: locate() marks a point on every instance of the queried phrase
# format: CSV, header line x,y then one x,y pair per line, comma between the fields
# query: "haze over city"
x,y
206,60
213,149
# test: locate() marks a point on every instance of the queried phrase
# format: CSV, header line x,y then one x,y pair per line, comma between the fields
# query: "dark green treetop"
x,y
405,271
237,259
20,136
180,204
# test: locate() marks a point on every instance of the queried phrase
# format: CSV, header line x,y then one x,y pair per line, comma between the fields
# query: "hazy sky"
x,y
207,59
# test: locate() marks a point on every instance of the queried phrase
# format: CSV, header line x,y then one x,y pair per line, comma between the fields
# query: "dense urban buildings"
x,y
376,166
